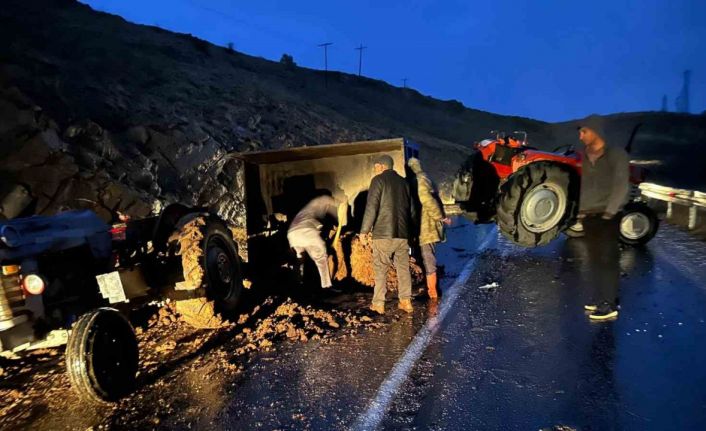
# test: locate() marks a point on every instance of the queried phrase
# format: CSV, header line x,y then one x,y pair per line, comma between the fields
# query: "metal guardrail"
x,y
690,198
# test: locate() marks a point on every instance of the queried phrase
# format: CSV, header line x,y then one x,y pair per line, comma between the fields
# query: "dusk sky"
x,y
549,60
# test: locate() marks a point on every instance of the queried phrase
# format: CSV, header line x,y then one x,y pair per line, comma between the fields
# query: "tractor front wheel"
x,y
102,356
638,224
536,203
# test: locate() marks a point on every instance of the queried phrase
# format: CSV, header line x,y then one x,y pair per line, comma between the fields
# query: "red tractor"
x,y
533,195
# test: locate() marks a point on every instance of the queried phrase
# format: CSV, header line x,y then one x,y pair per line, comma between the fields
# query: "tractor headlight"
x,y
33,284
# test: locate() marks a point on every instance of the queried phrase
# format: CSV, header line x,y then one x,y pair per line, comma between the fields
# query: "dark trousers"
x,y
603,265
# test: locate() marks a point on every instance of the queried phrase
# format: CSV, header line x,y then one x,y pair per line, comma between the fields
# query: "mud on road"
x,y
35,391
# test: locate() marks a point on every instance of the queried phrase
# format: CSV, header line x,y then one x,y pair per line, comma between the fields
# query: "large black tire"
x,y
102,356
210,260
536,203
638,224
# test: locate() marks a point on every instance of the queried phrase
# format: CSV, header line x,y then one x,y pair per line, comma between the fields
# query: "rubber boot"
x,y
379,309
406,305
431,286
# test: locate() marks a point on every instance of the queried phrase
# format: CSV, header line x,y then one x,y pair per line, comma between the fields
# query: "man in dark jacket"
x,y
604,190
388,216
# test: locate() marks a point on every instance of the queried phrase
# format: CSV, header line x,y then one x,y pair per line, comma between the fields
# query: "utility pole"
x,y
404,82
325,46
360,57
682,102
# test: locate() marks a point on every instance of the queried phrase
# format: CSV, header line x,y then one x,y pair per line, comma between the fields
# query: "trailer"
x,y
278,183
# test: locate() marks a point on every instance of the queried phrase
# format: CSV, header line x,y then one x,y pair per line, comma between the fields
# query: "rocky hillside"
x,y
94,109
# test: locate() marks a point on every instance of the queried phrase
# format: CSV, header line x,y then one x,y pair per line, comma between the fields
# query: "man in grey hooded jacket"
x,y
605,175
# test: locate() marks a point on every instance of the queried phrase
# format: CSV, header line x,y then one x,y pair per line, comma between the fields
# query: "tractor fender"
x,y
528,157
177,227
171,220
571,167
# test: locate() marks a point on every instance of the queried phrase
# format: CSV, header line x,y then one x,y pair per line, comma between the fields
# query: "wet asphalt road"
x,y
520,356
525,357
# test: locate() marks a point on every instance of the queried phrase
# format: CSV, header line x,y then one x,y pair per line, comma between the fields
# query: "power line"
x,y
404,82
360,57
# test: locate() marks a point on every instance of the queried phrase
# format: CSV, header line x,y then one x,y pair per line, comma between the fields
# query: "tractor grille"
x,y
11,296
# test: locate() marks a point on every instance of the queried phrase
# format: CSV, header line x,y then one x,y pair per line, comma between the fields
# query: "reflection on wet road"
x,y
524,356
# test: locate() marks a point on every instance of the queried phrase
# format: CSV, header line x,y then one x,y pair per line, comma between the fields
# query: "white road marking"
x,y
400,372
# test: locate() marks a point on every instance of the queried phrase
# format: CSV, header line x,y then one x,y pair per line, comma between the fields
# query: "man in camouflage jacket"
x,y
431,224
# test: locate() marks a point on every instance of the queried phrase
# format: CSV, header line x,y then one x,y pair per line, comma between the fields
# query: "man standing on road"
x,y
304,234
388,216
604,190
431,226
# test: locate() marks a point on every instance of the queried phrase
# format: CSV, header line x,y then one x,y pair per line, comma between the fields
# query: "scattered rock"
x,y
168,346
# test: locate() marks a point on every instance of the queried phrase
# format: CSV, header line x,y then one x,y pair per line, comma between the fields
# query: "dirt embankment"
x,y
156,111
83,165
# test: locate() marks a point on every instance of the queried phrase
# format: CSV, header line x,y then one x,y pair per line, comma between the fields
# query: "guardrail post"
x,y
692,217
669,210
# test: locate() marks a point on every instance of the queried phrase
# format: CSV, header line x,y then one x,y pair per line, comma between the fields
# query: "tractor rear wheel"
x,y
638,224
535,203
210,260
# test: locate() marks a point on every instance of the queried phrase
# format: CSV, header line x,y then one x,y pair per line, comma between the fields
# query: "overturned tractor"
x,y
533,195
